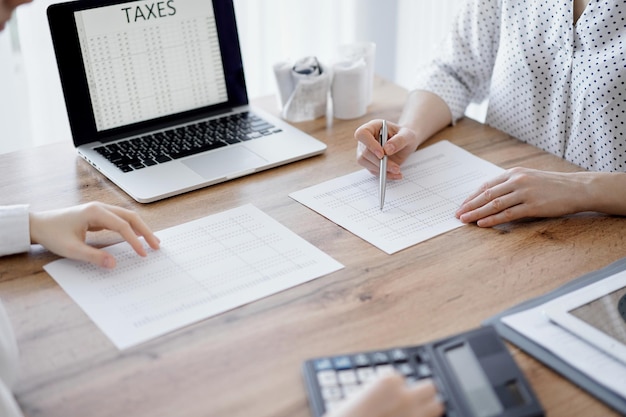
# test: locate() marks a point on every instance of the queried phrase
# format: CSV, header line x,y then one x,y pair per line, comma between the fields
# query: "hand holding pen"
x,y
384,157
401,143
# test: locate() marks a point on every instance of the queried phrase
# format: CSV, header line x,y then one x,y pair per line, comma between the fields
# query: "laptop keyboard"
x,y
157,148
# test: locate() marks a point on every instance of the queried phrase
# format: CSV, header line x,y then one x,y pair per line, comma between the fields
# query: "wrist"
x,y
603,192
424,114
33,227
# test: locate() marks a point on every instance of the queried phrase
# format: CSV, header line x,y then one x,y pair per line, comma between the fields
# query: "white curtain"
x,y
14,122
422,25
406,33
278,30
48,122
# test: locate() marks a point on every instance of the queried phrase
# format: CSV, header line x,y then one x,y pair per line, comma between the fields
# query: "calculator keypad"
x,y
341,377
494,384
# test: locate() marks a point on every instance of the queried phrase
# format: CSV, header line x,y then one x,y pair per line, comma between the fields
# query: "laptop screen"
x,y
148,60
129,67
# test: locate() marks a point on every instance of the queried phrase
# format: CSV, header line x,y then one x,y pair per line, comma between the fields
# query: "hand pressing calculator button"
x,y
474,372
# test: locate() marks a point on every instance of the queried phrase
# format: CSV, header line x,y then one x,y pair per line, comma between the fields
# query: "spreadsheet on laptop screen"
x,y
145,60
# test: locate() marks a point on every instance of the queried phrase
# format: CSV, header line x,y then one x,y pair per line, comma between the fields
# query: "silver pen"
x,y
382,177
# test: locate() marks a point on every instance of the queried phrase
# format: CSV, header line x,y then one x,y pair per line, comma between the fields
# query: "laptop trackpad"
x,y
229,162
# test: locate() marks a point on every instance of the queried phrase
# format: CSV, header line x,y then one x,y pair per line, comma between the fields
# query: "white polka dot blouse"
x,y
551,82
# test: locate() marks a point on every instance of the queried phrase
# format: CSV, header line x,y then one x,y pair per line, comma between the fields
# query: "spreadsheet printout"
x,y
147,60
437,179
203,268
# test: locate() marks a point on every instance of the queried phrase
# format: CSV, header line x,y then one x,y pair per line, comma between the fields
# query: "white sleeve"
x,y
462,69
14,229
9,359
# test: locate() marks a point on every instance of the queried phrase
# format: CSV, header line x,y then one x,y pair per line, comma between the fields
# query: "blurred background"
x,y
406,33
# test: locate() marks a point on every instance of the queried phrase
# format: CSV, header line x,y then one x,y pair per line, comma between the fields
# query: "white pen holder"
x,y
366,51
349,89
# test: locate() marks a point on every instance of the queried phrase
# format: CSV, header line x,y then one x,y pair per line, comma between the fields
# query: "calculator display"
x,y
473,381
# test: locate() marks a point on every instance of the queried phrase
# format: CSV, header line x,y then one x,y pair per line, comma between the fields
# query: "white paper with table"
x,y
203,268
437,179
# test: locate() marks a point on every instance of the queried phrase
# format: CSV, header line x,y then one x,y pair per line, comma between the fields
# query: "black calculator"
x,y
474,372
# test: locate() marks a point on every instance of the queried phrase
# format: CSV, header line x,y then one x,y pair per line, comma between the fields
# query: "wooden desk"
x,y
246,362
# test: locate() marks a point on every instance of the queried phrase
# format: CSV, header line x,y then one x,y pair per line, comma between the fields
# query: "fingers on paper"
x,y
125,222
495,202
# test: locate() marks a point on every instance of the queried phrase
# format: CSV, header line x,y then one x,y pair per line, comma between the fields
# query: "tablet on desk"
x,y
595,313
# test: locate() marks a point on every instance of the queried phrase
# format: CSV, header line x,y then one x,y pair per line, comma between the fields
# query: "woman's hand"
x,y
402,142
522,192
64,231
389,396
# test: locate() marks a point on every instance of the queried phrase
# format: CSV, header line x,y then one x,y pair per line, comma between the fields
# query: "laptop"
x,y
156,96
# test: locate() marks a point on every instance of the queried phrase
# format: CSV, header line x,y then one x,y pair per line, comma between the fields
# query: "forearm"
x,y
604,192
425,113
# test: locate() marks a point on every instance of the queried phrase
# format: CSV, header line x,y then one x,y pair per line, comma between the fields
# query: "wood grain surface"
x,y
246,362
